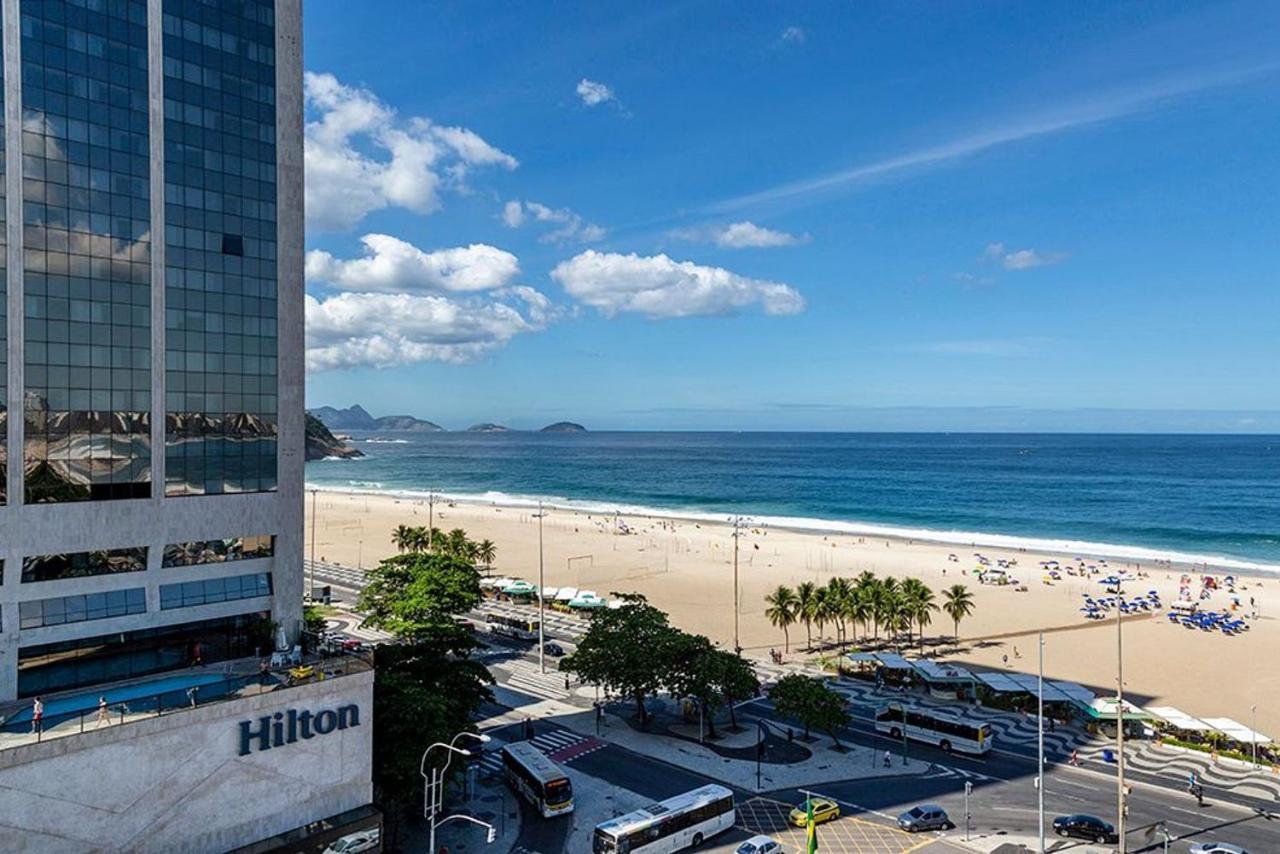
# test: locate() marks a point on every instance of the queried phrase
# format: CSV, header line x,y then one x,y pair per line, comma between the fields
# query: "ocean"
x,y
1192,498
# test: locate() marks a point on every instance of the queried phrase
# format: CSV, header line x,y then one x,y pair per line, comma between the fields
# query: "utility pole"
x,y
1120,719
1253,735
1040,743
968,790
736,521
542,600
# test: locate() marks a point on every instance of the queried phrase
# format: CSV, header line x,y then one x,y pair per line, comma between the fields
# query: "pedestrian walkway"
x,y
560,745
527,678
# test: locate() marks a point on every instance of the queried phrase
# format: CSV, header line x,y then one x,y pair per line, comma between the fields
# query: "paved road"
x,y
1004,797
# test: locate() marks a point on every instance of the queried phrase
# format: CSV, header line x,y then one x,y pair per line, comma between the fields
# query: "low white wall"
x,y
179,783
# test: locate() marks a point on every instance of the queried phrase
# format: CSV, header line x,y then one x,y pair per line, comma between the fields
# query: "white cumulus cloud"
x,y
740,235
361,156
353,330
659,287
594,94
394,265
1020,259
568,225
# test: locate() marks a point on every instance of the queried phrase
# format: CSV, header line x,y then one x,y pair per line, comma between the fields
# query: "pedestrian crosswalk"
x,y
961,774
559,745
526,678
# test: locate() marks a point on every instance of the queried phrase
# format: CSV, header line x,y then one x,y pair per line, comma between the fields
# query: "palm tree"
x,y
486,551
806,604
839,590
886,604
958,603
401,537
782,612
857,607
456,542
416,541
919,605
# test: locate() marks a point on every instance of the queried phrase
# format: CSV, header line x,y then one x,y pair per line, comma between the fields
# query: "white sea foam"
x,y
971,539
386,441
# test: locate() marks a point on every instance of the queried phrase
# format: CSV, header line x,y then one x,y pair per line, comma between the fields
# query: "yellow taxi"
x,y
824,809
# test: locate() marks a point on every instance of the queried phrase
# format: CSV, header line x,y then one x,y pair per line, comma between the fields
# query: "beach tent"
x,y
519,588
937,671
893,661
1237,732
547,593
565,594
586,600
1104,709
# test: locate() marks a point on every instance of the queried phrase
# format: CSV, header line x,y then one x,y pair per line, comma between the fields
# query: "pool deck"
x,y
75,711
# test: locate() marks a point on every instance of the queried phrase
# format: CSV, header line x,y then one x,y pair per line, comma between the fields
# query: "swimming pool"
x,y
169,691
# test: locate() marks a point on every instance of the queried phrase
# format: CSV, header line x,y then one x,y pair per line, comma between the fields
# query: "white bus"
x,y
949,733
531,774
671,825
520,628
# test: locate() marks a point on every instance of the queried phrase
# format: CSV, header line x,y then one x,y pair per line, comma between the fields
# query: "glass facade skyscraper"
x,y
150,328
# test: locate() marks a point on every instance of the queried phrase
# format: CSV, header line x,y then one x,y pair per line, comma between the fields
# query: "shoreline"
x,y
1061,548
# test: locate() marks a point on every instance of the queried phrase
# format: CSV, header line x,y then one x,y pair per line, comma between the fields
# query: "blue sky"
x,y
796,216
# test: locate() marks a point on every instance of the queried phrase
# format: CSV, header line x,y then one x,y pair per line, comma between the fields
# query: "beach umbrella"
x,y
519,588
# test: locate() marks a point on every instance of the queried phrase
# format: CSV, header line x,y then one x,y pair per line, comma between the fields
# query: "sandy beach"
x,y
686,568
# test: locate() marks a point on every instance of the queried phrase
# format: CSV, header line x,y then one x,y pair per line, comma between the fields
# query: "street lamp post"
x,y
542,599
1119,719
736,522
431,792
764,733
1253,734
311,588
1040,742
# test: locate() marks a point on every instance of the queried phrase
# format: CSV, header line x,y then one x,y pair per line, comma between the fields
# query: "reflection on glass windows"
x,y
4,320
49,667
220,246
218,551
79,609
86,251
207,591
83,564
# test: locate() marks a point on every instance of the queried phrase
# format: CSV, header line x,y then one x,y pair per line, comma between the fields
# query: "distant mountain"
x,y
563,427
356,418
321,443
488,428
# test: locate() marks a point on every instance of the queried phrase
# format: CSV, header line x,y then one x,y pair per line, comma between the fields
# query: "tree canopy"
x,y
810,702
417,595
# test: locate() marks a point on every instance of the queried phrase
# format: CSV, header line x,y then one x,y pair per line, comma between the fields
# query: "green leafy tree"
x,y
780,610
417,596
957,603
691,673
313,621
624,650
737,680
810,702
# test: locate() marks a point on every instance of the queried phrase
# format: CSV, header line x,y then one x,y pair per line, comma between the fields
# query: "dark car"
x,y
924,817
553,649
1085,827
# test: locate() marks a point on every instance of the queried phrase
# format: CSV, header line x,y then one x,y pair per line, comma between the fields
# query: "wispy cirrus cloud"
x,y
567,225
1080,112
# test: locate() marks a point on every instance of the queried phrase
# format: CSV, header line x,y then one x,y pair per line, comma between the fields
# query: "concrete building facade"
x,y
151,393
186,782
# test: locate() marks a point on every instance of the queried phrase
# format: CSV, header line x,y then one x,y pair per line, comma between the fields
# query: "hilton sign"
x,y
287,727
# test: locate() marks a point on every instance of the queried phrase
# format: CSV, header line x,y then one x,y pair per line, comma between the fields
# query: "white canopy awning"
x,y
1179,719
936,671
1237,731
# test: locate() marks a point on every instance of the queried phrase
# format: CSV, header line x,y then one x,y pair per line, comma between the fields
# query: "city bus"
x,y
521,628
941,730
531,774
671,825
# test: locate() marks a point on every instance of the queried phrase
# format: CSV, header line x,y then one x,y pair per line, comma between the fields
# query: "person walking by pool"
x,y
37,715
104,716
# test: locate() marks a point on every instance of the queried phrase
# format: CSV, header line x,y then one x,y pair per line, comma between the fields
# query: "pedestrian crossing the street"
x,y
559,745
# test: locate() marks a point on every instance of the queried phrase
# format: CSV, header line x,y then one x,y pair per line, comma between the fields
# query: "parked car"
x,y
354,843
824,809
553,649
1217,848
924,817
759,845
1085,827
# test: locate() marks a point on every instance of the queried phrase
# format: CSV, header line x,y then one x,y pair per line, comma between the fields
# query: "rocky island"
x,y
357,418
563,427
488,428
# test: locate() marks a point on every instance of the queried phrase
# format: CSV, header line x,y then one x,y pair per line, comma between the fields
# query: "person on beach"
x,y
104,717
37,715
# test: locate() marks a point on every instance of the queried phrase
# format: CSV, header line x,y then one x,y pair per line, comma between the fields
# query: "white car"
x,y
353,843
759,845
1217,848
